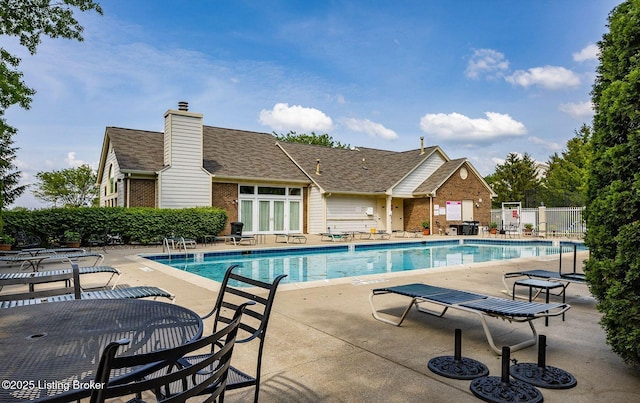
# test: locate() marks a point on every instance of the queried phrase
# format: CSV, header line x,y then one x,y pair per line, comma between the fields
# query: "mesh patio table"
x,y
50,352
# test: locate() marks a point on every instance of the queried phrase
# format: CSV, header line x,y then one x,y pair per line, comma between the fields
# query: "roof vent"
x,y
421,145
318,167
183,106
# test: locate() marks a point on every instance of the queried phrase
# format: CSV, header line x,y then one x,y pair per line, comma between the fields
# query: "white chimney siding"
x,y
183,182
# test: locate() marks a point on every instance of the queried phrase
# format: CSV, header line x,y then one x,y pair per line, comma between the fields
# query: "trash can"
x,y
474,227
467,228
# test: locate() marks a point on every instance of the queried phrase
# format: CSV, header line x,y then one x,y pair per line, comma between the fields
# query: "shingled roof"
x,y
232,153
237,154
359,170
137,150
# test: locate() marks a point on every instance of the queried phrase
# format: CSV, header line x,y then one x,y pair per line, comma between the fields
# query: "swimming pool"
x,y
304,264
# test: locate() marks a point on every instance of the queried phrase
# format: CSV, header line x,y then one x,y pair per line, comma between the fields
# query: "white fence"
x,y
548,221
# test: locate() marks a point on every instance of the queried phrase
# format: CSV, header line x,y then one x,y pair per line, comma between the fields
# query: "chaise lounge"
x,y
481,305
71,292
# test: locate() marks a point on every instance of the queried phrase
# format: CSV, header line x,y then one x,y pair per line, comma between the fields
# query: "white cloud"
x,y
577,110
455,126
486,62
590,52
373,129
549,145
296,118
72,161
549,77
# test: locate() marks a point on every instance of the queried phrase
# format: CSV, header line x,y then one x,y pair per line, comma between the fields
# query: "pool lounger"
x,y
290,238
481,305
548,275
24,277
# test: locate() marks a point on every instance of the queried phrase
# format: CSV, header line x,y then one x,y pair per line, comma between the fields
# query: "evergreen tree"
x,y
613,190
9,176
514,180
566,177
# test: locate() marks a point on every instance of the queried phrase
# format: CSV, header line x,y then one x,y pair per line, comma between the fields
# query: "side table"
x,y
541,285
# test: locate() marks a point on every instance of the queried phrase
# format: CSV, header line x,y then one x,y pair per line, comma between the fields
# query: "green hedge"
x,y
135,225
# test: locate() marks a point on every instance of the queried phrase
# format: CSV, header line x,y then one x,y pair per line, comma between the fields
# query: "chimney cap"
x,y
183,106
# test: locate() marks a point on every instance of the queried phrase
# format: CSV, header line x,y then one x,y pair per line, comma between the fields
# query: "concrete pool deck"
x,y
323,344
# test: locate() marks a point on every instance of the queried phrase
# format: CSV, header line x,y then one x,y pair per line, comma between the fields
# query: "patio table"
x,y
51,351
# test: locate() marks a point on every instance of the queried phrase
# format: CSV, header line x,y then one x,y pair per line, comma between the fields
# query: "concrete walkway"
x,y
323,345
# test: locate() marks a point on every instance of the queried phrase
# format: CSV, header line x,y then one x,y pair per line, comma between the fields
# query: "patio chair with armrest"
x,y
24,241
104,239
481,305
175,382
254,321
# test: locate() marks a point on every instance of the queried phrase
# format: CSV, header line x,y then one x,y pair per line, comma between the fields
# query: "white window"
x,y
270,209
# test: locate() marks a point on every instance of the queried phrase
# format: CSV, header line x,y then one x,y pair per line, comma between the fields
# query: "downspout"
x,y
389,214
128,191
431,212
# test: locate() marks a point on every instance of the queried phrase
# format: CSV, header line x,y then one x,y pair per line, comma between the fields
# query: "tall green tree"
x,y
566,177
70,187
9,175
313,138
613,190
515,180
28,20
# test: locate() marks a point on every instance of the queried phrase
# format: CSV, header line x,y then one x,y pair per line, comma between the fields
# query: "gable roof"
x,y
359,170
431,185
228,153
137,150
231,154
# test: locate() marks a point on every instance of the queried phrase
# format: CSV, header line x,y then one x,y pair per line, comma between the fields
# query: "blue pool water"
x,y
323,263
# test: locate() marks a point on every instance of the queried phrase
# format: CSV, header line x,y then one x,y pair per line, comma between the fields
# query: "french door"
x,y
268,213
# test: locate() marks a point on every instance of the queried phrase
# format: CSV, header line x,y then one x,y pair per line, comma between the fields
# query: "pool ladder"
x,y
168,242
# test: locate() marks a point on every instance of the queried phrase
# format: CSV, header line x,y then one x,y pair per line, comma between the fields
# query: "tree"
x,y
28,20
317,139
613,190
514,180
70,187
566,178
9,176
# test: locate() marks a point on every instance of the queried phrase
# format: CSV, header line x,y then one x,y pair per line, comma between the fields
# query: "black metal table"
x,y
54,348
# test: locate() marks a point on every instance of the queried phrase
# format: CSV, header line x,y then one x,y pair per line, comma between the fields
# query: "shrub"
x,y
140,225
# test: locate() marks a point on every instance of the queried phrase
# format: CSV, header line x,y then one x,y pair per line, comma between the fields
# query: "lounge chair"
x,y
566,278
73,292
236,236
40,258
290,238
25,277
375,235
176,382
334,236
481,305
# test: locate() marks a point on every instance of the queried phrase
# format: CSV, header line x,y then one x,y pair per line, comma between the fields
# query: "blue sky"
x,y
480,79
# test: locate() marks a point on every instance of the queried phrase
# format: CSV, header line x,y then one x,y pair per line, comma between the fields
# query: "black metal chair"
x,y
175,382
254,321
24,241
